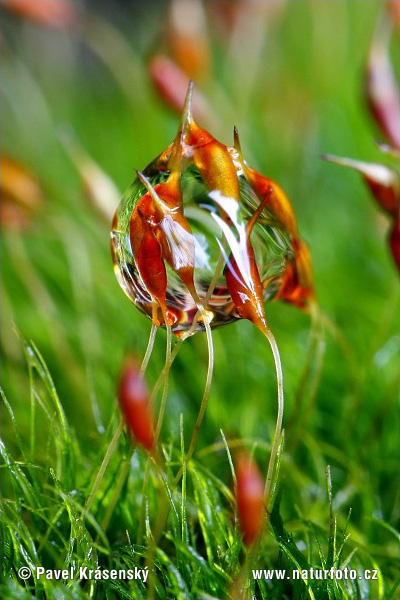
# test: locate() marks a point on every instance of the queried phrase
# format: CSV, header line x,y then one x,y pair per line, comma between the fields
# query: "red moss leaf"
x,y
297,284
250,498
172,82
133,399
147,253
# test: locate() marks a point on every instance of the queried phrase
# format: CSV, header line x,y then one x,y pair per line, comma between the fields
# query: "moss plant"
x,y
88,96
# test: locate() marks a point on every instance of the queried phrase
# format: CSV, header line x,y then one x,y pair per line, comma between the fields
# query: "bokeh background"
x,y
81,82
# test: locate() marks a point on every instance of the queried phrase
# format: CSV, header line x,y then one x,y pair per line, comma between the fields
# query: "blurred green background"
x,y
290,76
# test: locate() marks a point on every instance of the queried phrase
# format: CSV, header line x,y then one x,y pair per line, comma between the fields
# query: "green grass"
x,y
66,327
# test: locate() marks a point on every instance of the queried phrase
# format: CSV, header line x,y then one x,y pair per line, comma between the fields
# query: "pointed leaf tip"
x,y
150,189
142,177
236,141
187,117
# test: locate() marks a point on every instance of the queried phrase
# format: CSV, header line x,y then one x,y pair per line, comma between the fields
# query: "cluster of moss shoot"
x,y
153,247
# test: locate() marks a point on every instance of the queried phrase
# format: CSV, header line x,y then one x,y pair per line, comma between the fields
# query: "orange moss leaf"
x,y
148,256
241,272
268,190
298,283
21,194
171,228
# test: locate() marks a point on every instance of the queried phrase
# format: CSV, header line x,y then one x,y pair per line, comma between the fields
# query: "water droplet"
x,y
271,244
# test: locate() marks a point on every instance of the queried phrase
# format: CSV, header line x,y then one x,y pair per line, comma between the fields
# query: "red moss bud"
x,y
134,402
383,183
171,82
381,88
55,14
250,498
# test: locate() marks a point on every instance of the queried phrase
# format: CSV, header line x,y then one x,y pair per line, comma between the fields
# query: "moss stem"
x,y
278,428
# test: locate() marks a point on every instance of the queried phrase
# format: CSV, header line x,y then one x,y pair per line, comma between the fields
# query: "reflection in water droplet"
x,y
272,248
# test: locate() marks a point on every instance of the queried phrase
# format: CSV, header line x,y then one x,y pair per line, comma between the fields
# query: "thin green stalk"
x,y
149,350
142,517
184,535
163,512
203,404
307,389
124,470
103,466
118,432
165,390
278,428
240,586
207,297
32,415
189,332
160,380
